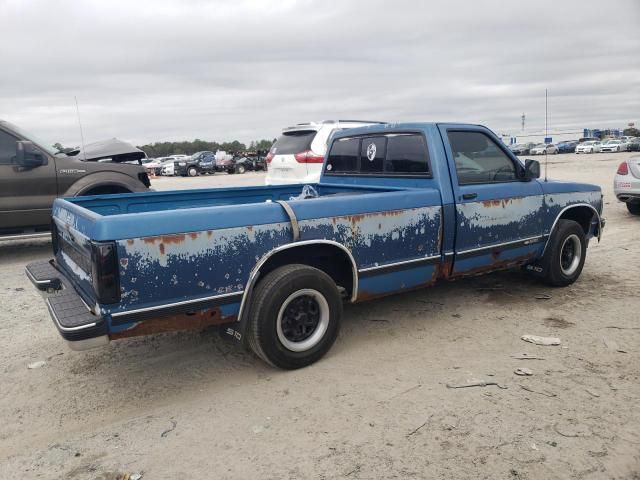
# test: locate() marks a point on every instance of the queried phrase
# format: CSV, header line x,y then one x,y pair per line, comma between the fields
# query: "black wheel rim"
x,y
567,255
300,318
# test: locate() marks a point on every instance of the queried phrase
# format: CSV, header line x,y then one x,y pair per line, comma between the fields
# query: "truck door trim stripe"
x,y
513,244
225,298
399,265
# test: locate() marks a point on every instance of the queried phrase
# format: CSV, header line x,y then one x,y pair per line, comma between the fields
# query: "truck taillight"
x,y
269,157
309,157
623,169
104,274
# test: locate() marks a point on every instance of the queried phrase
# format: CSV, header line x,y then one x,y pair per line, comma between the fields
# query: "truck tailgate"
x,y
88,265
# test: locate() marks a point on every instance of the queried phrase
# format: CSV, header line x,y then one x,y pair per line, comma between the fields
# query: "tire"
x,y
634,208
241,169
591,151
192,171
294,291
566,252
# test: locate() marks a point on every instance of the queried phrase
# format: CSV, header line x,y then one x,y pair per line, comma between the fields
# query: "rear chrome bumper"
x,y
72,317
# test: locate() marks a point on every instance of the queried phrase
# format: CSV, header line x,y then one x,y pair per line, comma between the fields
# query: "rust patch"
x,y
177,238
357,218
365,296
130,242
196,321
124,262
161,247
501,202
210,233
194,235
250,228
497,265
443,270
392,213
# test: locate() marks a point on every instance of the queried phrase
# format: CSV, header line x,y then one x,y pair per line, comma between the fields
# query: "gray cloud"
x,y
168,70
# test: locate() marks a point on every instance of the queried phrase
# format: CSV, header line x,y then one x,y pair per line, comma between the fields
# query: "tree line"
x,y
165,149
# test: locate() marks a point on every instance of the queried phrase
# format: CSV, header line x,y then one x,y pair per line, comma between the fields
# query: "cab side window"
x,y
479,159
7,148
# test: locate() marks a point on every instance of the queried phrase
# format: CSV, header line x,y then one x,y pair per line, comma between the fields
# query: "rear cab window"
x,y
290,143
404,154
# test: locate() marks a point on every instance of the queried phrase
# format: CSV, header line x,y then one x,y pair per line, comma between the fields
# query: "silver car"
x,y
542,148
613,146
626,184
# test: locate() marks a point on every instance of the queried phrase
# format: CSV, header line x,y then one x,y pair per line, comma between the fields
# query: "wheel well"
x,y
580,214
105,190
332,260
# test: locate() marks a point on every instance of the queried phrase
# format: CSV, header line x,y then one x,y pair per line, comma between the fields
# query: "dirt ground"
x,y
191,405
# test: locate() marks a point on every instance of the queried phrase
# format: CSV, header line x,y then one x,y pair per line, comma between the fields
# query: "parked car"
x,y
297,155
592,146
626,184
33,175
568,146
613,145
522,148
168,166
152,165
633,145
198,163
398,207
542,148
588,139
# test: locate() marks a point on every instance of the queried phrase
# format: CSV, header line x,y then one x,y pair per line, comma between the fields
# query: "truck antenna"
x,y
84,152
546,132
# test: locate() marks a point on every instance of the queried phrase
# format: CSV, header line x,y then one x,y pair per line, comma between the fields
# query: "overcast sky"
x,y
172,70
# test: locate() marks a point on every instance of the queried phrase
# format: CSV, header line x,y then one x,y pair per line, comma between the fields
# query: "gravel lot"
x,y
191,405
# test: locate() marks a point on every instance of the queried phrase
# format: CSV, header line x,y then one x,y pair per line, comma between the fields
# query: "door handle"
x,y
469,196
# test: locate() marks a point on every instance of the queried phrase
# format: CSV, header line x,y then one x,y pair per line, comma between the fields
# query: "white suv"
x,y
297,155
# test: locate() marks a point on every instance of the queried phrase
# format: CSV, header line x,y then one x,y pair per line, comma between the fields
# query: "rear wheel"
x,y
566,252
294,316
634,208
241,169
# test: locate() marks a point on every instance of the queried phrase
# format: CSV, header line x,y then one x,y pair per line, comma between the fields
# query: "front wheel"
x,y
294,316
566,252
241,169
634,208
192,172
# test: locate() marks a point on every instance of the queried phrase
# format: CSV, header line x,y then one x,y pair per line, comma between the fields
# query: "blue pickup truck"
x,y
398,207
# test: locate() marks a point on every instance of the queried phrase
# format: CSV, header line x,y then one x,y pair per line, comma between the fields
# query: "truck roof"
x,y
386,127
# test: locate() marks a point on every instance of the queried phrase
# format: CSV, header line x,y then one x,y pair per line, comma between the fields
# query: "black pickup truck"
x,y
33,175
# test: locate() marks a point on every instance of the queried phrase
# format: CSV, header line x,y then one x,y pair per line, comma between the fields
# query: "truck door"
x,y
26,193
498,215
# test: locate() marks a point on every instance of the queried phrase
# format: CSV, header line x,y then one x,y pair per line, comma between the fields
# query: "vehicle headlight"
x,y
182,164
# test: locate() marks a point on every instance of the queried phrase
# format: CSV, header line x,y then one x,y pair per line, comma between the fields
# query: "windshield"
x,y
28,136
541,145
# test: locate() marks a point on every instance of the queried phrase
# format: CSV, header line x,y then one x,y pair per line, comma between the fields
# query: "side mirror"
x,y
531,169
28,156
